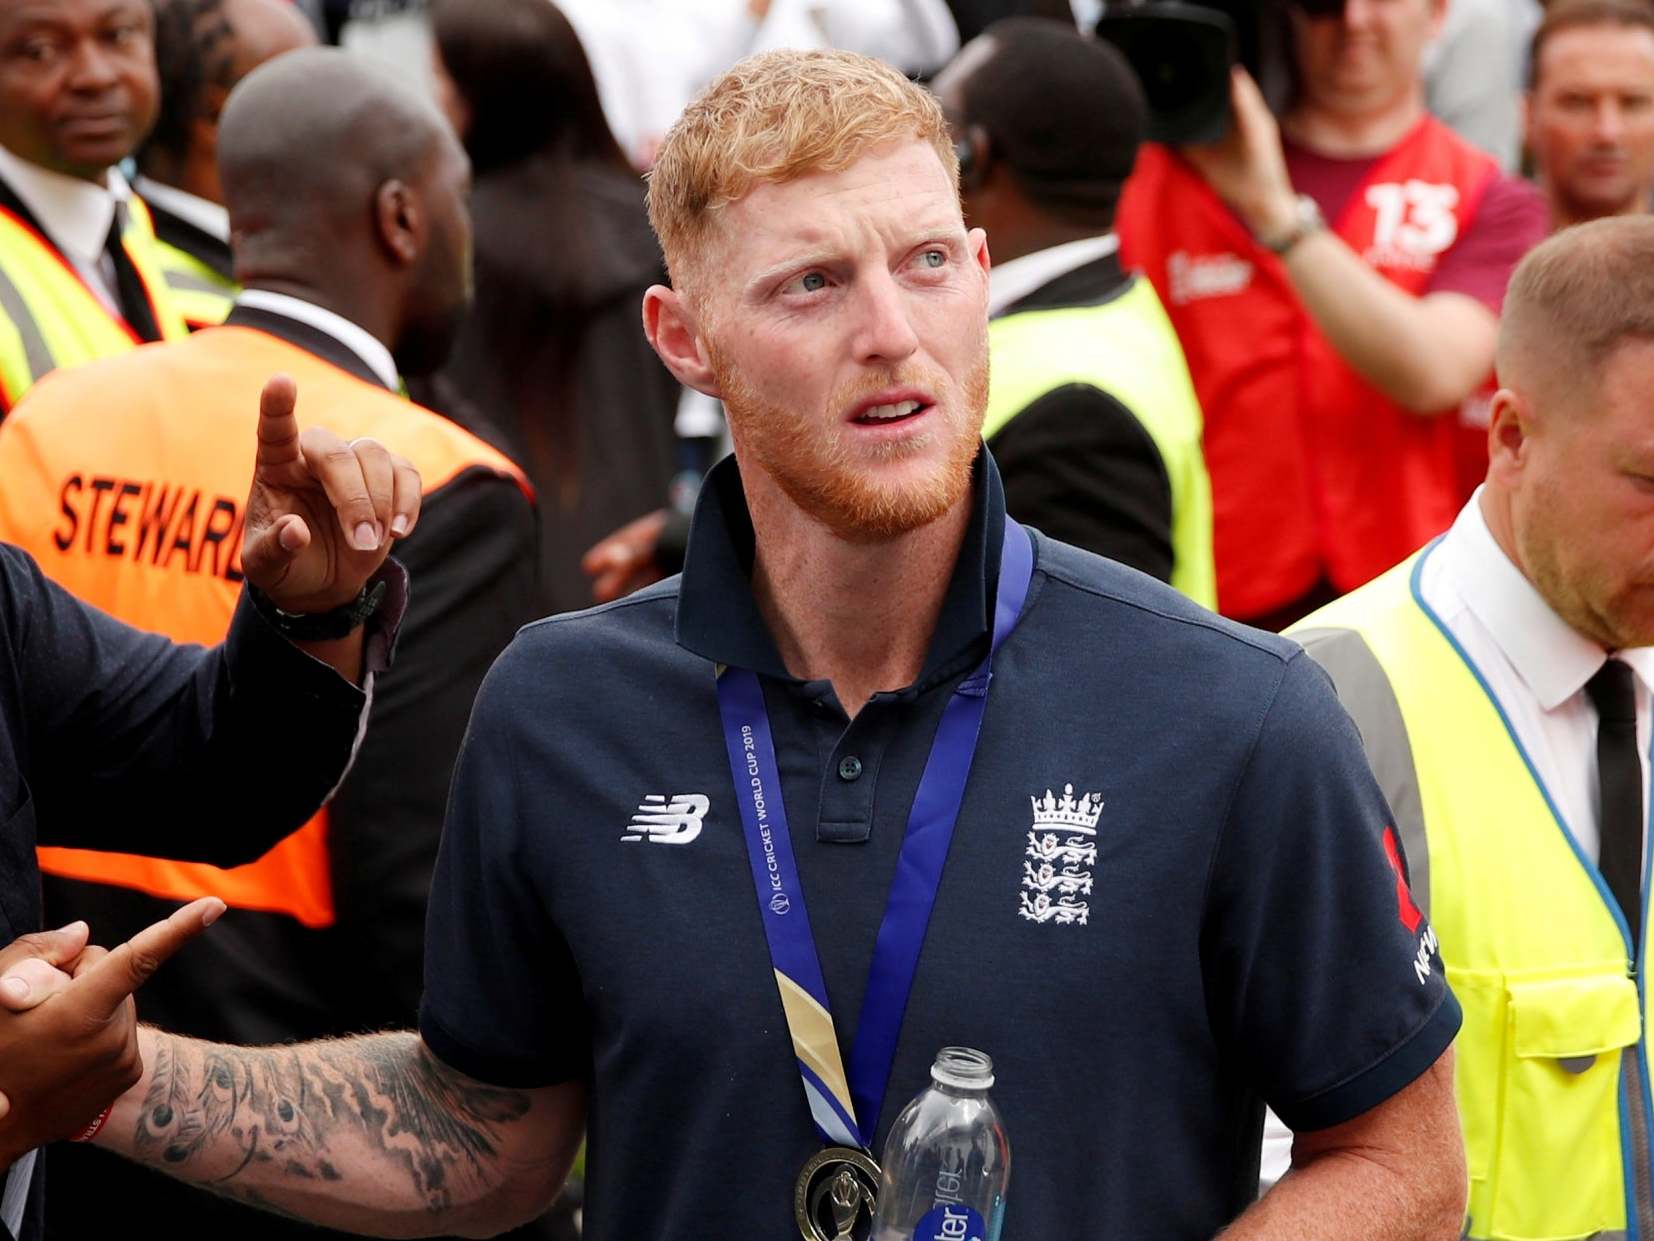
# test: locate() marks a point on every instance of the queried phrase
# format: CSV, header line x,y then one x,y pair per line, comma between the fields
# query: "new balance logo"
x,y
674,822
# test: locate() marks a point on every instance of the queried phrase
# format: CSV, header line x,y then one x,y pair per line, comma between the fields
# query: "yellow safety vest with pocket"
x,y
1552,1062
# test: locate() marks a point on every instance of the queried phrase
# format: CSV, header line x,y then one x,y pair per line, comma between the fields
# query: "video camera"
x,y
1183,51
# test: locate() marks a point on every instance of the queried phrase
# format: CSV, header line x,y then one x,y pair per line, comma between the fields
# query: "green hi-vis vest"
x,y
1127,348
198,292
1552,1064
50,318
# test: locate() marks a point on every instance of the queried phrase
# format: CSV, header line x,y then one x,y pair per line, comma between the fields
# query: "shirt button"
x,y
849,768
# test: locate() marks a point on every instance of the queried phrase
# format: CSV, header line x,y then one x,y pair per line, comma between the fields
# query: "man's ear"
x,y
977,240
399,219
1510,425
675,333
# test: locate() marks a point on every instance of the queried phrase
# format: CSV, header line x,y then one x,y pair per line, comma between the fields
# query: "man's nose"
x,y
93,69
884,329
1610,122
1359,14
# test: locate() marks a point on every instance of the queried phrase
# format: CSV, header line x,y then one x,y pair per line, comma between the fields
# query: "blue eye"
x,y
811,281
934,259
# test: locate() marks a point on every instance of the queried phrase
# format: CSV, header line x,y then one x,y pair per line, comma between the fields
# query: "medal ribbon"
x,y
846,1107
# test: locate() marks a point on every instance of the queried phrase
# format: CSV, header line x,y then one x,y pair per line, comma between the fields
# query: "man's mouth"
x,y
884,415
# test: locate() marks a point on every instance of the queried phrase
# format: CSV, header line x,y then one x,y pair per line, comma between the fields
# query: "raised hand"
x,y
1247,167
322,513
69,1046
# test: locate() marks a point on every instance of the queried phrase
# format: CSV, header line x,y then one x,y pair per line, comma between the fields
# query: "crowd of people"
x,y
1278,510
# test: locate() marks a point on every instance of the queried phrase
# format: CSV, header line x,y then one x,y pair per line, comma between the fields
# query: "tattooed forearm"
x,y
357,1122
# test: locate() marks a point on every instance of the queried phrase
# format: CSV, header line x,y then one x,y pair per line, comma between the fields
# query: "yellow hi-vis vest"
x,y
49,317
1127,348
1552,1063
197,292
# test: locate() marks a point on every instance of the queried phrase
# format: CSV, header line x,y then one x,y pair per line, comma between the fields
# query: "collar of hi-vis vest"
x,y
1553,660
76,215
362,344
718,618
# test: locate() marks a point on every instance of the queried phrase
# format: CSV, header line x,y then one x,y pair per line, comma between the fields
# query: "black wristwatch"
x,y
341,622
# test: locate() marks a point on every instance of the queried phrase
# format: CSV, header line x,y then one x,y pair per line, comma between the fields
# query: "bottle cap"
x,y
963,1068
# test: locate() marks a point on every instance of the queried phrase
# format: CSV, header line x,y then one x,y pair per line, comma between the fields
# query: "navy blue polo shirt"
x,y
1167,899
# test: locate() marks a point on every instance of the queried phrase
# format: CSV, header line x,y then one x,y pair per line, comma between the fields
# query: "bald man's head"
x,y
1570,485
339,178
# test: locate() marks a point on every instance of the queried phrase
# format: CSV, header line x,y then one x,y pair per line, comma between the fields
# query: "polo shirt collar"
x,y
77,215
718,617
1553,660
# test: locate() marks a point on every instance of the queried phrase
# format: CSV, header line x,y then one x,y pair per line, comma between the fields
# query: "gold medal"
x,y
835,1195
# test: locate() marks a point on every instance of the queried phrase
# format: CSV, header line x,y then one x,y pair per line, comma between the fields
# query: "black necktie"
x,y
129,286
1620,777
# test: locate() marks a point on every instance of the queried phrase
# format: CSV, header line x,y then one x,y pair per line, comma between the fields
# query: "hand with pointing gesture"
x,y
322,513
69,1035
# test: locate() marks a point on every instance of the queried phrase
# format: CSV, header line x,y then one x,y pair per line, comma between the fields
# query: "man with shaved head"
x,y
347,197
79,278
1501,682
202,49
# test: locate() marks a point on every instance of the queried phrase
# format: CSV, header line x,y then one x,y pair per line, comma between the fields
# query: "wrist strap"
x,y
341,622
96,1127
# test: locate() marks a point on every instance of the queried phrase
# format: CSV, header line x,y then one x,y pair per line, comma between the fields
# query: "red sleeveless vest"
x,y
1314,472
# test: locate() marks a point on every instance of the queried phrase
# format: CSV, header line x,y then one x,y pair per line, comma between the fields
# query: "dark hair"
x,y
1063,111
194,49
1576,14
525,78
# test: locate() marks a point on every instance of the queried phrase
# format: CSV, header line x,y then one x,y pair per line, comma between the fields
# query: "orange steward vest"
x,y
1315,473
127,480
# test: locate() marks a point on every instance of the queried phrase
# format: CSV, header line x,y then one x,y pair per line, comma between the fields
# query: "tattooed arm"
x,y
371,1134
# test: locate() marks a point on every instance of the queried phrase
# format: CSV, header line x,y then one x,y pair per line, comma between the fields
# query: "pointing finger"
x,y
334,464
108,981
278,426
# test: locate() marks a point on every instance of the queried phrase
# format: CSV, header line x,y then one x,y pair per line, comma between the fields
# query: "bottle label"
x,y
951,1221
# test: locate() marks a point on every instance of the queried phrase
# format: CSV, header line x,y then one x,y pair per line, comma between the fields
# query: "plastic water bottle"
x,y
947,1161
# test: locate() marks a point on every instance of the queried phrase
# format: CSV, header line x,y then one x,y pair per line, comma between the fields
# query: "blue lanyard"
x,y
846,1107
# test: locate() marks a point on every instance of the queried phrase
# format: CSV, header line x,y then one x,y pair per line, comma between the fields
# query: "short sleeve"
x,y
503,1001
1322,977
1511,220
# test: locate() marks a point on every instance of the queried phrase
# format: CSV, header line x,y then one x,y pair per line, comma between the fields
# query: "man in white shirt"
x,y
78,92
1501,680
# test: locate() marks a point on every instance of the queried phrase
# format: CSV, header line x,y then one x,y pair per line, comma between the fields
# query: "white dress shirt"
x,y
357,339
1535,664
1537,668
1011,281
76,216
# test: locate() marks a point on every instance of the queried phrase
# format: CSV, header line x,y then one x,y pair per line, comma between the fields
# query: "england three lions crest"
x,y
1062,849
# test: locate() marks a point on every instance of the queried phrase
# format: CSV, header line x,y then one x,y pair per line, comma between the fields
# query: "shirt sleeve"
x,y
1511,220
1323,977
142,745
503,999
1080,466
472,566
